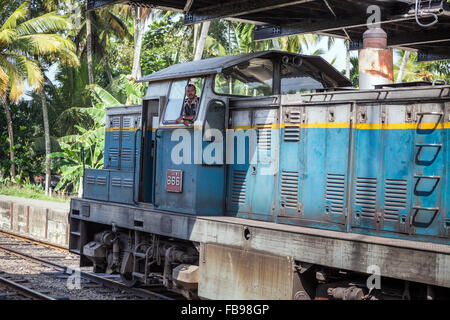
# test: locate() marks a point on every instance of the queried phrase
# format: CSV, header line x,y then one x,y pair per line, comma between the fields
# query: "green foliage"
x,y
27,190
165,43
423,71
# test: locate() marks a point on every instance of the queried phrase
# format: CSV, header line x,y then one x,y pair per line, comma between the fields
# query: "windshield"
x,y
295,79
250,78
178,99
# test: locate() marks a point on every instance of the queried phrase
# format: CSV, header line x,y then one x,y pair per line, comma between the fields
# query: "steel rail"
x,y
109,283
25,290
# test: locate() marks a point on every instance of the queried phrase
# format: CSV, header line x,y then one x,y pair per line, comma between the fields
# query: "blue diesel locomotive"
x,y
284,183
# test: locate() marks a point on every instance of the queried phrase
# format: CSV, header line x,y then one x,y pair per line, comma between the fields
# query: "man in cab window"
x,y
190,106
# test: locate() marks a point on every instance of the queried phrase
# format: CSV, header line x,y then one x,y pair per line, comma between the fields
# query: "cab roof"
x,y
216,65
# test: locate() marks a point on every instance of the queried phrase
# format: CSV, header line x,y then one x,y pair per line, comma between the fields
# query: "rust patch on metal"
x,y
232,273
67,234
380,66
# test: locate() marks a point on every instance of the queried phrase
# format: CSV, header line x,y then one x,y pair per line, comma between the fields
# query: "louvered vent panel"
x,y
295,116
90,179
366,195
126,136
239,187
395,197
115,122
291,134
289,188
335,192
127,122
116,182
126,154
114,154
264,137
116,136
101,181
127,183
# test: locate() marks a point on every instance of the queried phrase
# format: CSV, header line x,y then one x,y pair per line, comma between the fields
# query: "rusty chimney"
x,y
375,60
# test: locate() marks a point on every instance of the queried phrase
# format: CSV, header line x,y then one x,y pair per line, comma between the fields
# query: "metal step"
x,y
139,255
138,275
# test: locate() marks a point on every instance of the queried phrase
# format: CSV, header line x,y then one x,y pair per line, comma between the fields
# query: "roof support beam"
x,y
236,8
264,33
414,39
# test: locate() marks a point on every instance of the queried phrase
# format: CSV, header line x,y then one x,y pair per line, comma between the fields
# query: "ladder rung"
x,y
139,255
427,208
429,145
427,177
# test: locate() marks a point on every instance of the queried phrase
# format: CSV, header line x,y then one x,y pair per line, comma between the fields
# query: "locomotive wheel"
x,y
128,280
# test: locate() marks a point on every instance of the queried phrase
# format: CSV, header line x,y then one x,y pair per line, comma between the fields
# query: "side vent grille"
x,y
126,154
239,187
116,136
90,179
116,182
127,122
127,183
101,181
264,137
335,192
295,116
126,136
289,188
115,122
395,197
114,154
366,195
291,134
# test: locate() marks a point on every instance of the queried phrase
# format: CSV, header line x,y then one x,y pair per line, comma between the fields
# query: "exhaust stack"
x,y
375,60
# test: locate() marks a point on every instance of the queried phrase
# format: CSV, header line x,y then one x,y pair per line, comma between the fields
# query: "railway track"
x,y
65,271
20,291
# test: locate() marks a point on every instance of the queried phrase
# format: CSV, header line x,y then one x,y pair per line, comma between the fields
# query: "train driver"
x,y
190,106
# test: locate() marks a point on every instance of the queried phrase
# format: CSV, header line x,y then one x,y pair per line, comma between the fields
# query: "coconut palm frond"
x,y
15,17
46,23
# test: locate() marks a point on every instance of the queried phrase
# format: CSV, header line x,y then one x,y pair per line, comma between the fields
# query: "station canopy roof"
x,y
336,18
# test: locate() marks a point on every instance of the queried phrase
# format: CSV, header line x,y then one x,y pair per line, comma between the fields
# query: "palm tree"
x,y
21,41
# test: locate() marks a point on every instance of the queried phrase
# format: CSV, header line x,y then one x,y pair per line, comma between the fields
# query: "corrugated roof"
x,y
216,65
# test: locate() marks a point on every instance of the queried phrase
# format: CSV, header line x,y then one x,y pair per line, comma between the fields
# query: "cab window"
x,y
295,79
250,78
177,98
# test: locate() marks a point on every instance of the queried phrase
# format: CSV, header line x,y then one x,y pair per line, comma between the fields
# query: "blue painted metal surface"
x,y
203,186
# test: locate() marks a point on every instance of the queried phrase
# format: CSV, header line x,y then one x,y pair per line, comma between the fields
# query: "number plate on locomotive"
x,y
174,180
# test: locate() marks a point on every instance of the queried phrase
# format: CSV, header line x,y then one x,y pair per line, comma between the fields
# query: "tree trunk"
x,y
47,143
11,138
403,66
201,42
347,59
138,34
89,48
108,70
